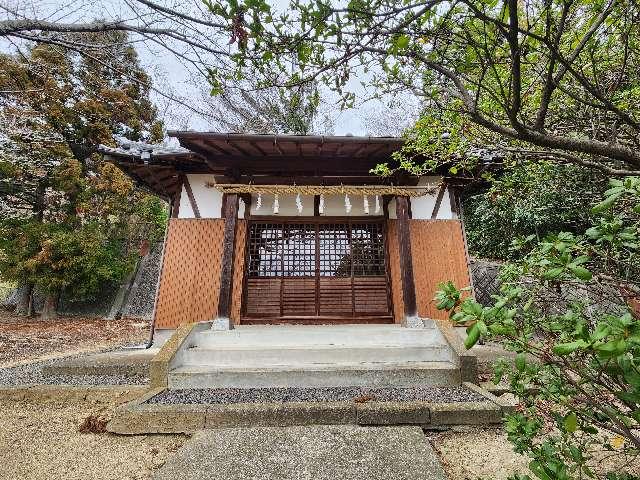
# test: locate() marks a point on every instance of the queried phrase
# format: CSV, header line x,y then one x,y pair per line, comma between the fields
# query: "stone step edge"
x,y
429,366
305,347
137,417
40,393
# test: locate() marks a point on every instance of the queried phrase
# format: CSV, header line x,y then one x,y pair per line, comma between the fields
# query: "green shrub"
x,y
577,365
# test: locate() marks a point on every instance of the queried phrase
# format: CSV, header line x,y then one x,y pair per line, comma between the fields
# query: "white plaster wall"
x,y
185,210
333,206
287,205
422,207
209,200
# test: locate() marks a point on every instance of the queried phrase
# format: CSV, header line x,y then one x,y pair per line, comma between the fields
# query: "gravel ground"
x,y
41,442
31,373
477,453
256,395
29,339
472,453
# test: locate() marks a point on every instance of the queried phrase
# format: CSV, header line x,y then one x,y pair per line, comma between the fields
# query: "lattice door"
x,y
316,271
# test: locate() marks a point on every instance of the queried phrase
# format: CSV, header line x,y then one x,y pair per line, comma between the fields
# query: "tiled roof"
x,y
141,150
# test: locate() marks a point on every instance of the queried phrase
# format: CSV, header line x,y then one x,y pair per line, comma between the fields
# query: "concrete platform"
x,y
313,453
407,374
141,417
315,356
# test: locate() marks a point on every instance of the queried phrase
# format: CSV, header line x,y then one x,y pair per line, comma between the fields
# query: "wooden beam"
x,y
223,205
436,207
257,147
175,202
278,147
207,147
454,201
359,150
192,199
316,205
228,249
386,199
406,261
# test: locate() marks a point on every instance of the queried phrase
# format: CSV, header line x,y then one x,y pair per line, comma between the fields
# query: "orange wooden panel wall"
x,y
238,270
190,279
438,252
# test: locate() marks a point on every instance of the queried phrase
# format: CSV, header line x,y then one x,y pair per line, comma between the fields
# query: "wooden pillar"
x,y
386,199
316,205
175,202
228,249
406,261
246,199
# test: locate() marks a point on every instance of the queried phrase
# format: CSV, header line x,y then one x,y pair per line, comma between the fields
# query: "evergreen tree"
x,y
70,221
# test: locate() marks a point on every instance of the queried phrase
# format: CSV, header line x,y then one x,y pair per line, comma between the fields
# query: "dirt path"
x,y
29,339
478,453
42,442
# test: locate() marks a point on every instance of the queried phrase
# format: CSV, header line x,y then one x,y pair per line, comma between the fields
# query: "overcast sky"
x,y
174,78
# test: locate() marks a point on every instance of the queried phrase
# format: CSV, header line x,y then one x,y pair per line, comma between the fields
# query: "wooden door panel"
x,y
371,295
263,297
299,296
327,269
336,296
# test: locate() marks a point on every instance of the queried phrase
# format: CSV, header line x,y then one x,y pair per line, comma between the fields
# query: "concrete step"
x,y
302,336
370,374
300,356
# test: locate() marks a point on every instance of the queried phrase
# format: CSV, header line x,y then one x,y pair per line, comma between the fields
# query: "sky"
x,y
173,78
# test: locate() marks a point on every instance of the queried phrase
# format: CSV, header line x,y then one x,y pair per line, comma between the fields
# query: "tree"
x,y
526,201
189,33
58,197
563,310
553,79
250,109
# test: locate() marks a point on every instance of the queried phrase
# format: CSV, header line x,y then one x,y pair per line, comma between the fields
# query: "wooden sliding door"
x,y
316,271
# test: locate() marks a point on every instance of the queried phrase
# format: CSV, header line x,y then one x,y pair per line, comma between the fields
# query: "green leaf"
x,y
570,347
601,331
571,422
472,337
612,348
552,273
482,327
606,203
538,470
401,42
581,273
521,362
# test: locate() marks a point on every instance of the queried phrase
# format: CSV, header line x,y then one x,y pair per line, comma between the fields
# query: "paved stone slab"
x,y
305,453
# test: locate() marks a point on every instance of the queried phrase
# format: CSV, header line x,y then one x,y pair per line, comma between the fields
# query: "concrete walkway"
x,y
313,453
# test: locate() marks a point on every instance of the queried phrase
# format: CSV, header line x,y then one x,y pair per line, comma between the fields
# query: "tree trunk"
x,y
49,310
24,299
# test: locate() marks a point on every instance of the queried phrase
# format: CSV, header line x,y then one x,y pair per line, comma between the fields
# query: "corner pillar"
x,y
406,264
175,200
223,319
